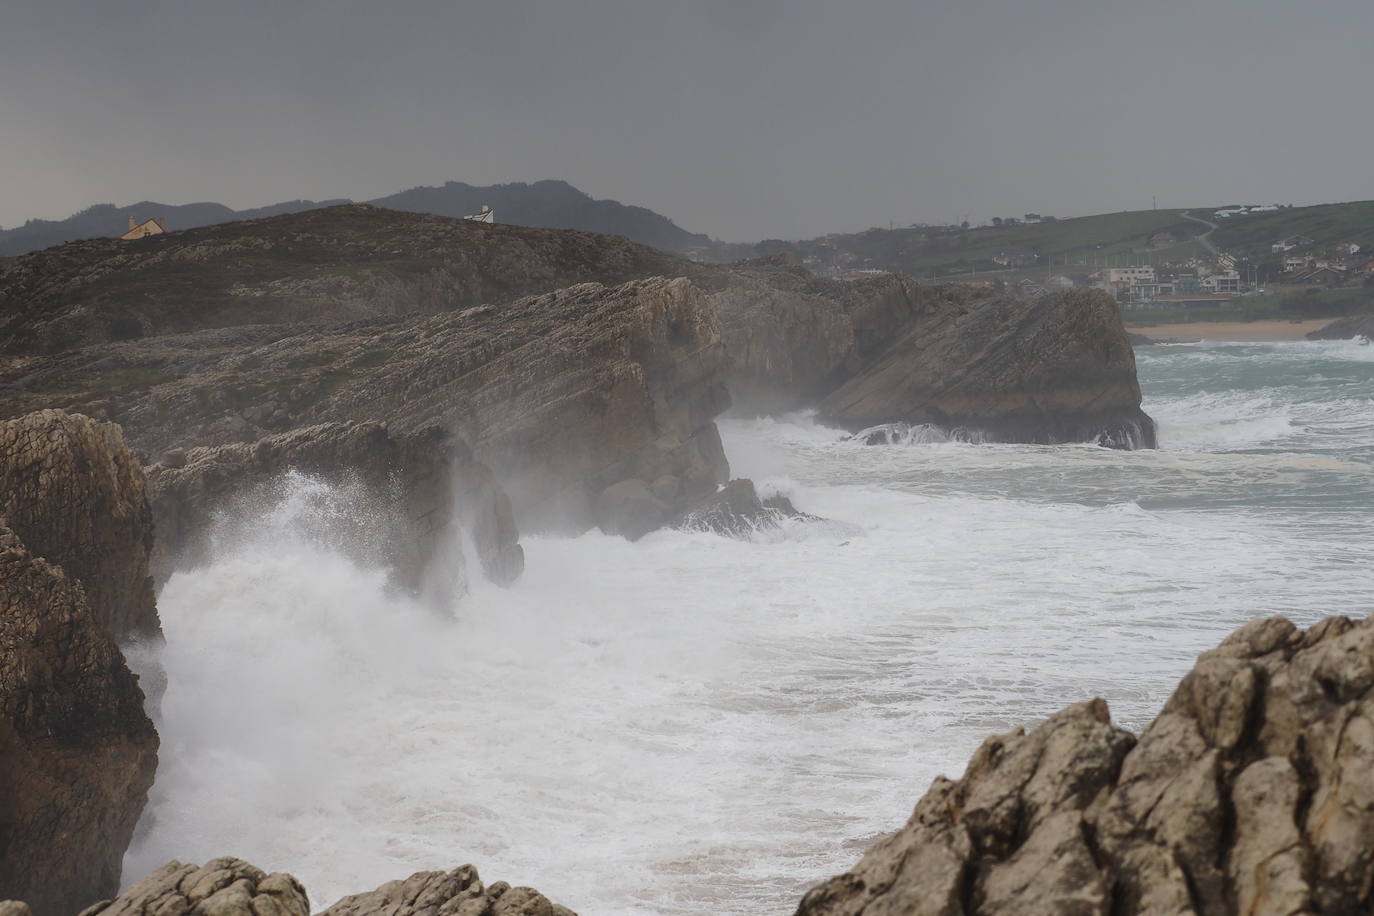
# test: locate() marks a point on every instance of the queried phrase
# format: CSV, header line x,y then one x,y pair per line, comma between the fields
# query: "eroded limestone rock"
x,y
75,495
77,751
1251,793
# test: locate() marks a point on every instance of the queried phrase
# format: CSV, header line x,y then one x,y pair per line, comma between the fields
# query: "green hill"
x,y
1326,224
1081,243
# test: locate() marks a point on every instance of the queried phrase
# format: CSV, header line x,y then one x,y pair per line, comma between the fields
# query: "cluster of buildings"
x,y
1144,285
1314,268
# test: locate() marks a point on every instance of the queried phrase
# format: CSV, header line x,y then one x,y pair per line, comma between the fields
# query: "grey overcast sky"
x,y
743,119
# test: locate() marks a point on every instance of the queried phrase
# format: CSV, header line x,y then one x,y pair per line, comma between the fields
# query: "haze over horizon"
x,y
744,120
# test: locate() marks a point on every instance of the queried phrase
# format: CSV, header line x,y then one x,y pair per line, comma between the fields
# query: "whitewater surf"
x,y
693,722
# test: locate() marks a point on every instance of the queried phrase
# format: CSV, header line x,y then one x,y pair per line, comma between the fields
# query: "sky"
x,y
743,119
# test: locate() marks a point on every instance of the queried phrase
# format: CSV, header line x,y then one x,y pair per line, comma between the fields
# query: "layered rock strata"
x,y
1251,793
420,492
71,490
459,892
793,338
1054,369
561,395
324,266
231,887
77,751
881,350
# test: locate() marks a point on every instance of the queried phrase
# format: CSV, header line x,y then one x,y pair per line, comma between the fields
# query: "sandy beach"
x,y
1233,330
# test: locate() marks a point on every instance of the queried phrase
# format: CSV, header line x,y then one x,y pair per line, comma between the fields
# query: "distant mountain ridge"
x,y
546,204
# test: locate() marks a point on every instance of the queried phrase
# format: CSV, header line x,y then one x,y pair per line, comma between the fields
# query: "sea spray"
x,y
694,722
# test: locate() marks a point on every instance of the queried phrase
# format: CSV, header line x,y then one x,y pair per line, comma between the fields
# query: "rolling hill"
x,y
543,204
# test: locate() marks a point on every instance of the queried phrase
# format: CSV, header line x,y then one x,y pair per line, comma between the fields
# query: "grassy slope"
x,y
1087,240
1326,225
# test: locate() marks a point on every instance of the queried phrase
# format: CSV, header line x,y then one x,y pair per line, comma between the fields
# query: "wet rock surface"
x,y
1252,792
737,510
77,751
75,495
1346,328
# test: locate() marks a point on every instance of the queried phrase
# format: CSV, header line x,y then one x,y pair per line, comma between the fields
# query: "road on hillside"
x,y
1204,238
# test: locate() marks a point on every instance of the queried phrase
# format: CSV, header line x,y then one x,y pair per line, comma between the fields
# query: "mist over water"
x,y
693,722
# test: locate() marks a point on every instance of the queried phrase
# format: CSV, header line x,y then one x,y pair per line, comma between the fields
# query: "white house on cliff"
x,y
146,228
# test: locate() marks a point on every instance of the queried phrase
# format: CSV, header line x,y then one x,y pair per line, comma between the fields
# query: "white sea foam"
x,y
694,723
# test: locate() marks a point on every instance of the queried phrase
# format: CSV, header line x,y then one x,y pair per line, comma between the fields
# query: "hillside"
x,y
1076,245
543,204
107,220
1326,224
332,265
549,204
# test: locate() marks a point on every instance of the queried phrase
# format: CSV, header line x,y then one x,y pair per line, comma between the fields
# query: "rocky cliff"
x,y
877,350
1059,368
1054,369
232,887
1346,329
70,489
561,395
1251,793
422,490
77,751
793,338
324,266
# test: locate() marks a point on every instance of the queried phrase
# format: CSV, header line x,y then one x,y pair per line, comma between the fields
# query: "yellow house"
x,y
146,228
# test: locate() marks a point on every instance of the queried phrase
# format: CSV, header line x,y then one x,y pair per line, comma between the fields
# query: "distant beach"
x,y
1233,330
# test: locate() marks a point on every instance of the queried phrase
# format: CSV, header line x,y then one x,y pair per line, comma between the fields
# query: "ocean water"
x,y
691,723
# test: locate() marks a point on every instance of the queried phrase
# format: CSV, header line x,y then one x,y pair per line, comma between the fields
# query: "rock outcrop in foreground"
x,y
1251,793
1346,329
420,491
70,489
232,887
77,751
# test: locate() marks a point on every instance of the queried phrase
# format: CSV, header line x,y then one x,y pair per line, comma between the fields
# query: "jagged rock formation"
x,y
877,350
1054,369
222,887
883,350
75,495
455,893
1251,793
77,751
561,395
1347,328
736,510
320,266
793,338
421,488
231,887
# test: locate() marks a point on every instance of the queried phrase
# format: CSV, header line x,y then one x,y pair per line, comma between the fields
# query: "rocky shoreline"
x,y
471,382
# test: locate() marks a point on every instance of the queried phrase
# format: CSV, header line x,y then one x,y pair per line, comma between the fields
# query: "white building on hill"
x,y
144,229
